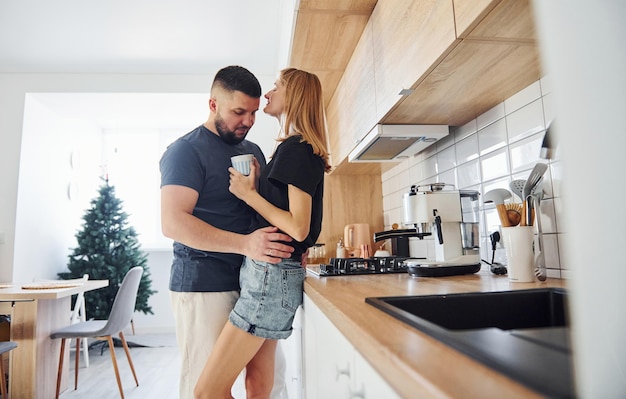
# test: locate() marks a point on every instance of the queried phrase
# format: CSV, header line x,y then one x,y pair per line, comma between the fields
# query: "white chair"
x,y
79,315
120,317
5,346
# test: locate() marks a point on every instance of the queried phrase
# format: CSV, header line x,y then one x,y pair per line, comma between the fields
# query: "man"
x,y
209,225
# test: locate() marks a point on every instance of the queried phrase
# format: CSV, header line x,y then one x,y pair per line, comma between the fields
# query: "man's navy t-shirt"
x,y
200,160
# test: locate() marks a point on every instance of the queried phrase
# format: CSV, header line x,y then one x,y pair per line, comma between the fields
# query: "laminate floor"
x,y
157,366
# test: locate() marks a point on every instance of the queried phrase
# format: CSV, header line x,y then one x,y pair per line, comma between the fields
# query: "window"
x,y
131,159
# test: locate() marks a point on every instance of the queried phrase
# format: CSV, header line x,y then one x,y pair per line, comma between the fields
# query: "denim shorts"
x,y
270,296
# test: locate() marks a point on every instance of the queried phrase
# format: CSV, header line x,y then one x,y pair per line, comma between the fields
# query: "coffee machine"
x,y
452,217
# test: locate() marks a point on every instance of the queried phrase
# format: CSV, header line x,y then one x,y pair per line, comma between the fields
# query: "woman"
x,y
289,196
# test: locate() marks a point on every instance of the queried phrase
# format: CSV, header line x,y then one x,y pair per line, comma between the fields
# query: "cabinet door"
x,y
328,357
410,37
368,384
468,13
292,349
351,112
309,349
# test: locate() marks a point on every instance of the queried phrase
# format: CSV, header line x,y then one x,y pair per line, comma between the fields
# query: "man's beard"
x,y
228,136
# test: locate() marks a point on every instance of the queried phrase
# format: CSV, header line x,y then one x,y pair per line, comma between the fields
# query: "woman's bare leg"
x,y
260,371
232,351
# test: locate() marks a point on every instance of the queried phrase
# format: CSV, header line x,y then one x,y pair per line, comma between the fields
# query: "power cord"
x,y
495,267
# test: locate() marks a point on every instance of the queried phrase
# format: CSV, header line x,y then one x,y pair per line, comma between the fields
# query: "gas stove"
x,y
359,266
415,267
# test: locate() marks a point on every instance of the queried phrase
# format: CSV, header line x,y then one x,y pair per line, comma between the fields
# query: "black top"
x,y
200,160
294,163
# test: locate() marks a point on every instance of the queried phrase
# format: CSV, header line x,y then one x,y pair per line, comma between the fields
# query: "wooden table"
x,y
35,313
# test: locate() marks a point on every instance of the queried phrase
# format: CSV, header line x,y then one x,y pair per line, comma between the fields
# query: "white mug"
x,y
242,163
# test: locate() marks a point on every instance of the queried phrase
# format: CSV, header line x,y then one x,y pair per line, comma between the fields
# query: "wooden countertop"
x,y
413,363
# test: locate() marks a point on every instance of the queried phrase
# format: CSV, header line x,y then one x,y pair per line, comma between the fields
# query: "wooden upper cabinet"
x,y
325,35
351,112
497,58
474,78
414,45
468,13
410,38
509,21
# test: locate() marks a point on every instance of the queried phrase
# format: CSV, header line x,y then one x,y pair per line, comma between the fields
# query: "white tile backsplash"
x,y
445,142
416,174
486,153
525,153
468,174
448,177
525,121
492,137
522,98
467,149
495,164
446,159
462,132
490,116
430,167
546,85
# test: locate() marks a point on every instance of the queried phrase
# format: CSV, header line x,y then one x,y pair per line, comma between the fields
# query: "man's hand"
x,y
263,245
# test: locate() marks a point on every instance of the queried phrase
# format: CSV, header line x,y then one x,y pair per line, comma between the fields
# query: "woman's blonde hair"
x,y
304,110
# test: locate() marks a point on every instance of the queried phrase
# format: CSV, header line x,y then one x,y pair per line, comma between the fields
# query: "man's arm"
x,y
179,224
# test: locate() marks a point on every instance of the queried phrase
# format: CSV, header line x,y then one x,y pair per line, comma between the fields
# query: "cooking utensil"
x,y
514,213
517,186
531,183
540,260
504,218
498,196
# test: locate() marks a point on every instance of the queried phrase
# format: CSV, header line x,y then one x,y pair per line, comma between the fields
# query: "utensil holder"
x,y
518,243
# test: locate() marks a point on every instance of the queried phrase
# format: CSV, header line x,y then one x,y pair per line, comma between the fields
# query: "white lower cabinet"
x,y
292,350
333,368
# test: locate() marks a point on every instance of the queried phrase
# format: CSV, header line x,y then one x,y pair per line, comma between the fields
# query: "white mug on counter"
x,y
518,243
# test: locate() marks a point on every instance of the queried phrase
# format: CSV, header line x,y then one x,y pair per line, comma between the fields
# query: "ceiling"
x,y
144,36
175,37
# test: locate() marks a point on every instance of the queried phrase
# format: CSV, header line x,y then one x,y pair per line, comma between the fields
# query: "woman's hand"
x,y
240,185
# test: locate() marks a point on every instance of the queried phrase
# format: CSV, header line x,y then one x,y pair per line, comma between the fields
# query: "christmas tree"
x,y
107,249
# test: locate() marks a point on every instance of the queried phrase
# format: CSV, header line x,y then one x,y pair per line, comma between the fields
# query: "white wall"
x,y
46,218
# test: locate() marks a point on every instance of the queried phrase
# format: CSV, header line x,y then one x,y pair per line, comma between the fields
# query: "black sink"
x,y
521,333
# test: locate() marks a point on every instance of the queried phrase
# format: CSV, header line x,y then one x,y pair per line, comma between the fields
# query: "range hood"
x,y
393,143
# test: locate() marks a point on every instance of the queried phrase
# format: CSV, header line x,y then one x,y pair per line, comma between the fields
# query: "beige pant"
x,y
200,317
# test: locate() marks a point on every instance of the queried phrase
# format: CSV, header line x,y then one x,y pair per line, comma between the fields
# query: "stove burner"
x,y
374,265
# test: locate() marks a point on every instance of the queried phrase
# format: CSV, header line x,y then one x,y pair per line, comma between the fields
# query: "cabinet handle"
x,y
357,394
340,372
